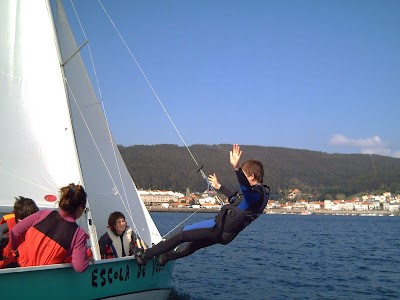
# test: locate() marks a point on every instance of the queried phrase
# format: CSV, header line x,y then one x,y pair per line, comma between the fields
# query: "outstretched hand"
x,y
212,179
235,156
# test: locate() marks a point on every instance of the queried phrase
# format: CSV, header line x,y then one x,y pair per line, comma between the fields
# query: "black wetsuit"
x,y
232,219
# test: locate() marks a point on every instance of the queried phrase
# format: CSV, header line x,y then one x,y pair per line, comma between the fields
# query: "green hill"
x,y
319,175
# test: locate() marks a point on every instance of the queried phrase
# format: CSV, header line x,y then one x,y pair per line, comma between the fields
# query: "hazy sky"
x,y
319,75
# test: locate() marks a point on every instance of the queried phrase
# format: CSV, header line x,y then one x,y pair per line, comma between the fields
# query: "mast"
x,y
106,178
88,215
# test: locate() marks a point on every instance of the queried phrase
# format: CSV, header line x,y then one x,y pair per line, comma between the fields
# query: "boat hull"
x,y
107,279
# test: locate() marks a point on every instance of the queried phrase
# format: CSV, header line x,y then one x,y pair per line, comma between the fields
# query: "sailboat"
x,y
54,132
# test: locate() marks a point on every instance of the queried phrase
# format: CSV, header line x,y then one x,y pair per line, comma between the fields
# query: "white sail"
x,y
37,155
59,133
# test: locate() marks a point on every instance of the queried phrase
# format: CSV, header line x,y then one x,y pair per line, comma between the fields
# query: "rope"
x,y
157,98
90,52
147,81
115,189
209,186
180,223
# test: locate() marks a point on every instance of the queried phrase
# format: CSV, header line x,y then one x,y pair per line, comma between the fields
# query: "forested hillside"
x,y
316,173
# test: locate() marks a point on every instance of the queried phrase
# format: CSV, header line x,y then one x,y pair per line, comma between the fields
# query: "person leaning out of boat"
x,y
52,236
23,207
120,240
229,222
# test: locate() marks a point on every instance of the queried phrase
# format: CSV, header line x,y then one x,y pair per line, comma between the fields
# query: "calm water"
x,y
294,257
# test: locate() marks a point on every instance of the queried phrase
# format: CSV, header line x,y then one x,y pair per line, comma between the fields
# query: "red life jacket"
x,y
47,242
108,253
7,250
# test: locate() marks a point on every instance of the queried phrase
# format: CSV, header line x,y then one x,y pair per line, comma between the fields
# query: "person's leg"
x,y
196,232
161,247
184,250
205,230
201,231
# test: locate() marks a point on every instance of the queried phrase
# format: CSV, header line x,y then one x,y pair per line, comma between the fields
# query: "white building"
x,y
155,198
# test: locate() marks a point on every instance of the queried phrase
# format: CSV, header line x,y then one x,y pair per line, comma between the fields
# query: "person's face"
x,y
120,226
250,177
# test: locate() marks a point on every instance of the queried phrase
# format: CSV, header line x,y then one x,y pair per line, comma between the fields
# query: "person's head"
x,y
116,222
24,207
73,200
254,171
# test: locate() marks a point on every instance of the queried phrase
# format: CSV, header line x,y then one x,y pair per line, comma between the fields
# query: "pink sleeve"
x,y
79,261
19,230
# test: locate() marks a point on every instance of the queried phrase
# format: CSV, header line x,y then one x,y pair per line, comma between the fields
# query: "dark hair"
x,y
72,197
24,207
255,167
112,219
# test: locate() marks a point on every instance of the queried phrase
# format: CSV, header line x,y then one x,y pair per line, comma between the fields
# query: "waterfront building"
x,y
156,198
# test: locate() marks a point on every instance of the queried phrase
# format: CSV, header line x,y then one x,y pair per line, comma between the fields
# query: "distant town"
x,y
166,200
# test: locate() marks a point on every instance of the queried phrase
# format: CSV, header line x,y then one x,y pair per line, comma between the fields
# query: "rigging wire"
x,y
159,101
95,144
148,81
209,187
89,50
115,190
180,223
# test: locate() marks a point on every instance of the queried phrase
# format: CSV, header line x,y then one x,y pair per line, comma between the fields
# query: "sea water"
x,y
293,257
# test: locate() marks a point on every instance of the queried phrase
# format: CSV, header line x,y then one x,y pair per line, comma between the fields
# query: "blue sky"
x,y
318,75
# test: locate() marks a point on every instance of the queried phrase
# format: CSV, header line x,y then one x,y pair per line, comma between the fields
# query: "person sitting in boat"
x,y
119,240
52,236
23,207
232,218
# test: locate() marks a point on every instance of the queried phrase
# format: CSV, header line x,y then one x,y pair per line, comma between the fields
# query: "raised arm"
x,y
234,156
213,180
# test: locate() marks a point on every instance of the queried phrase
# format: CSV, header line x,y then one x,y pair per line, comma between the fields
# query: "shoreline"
x,y
281,211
